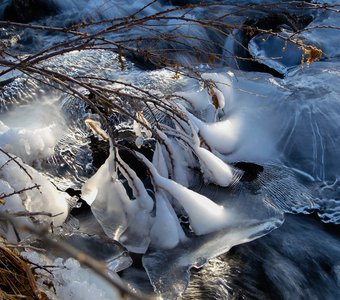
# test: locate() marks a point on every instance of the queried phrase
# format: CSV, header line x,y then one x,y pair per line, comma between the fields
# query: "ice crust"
x,y
149,222
29,134
70,280
45,198
32,131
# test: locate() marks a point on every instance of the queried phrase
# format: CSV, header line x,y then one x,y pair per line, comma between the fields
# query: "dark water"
x,y
300,260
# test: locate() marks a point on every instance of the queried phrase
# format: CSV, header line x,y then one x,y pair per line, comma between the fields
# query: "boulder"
x,y
25,11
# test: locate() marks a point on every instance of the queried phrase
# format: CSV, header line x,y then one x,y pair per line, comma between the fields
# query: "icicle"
x,y
140,116
137,186
221,136
205,215
109,207
102,178
128,221
214,169
141,131
140,220
108,198
178,165
166,231
159,162
137,128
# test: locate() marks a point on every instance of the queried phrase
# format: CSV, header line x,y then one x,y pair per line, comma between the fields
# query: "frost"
x,y
44,199
72,281
32,131
11,204
221,136
158,160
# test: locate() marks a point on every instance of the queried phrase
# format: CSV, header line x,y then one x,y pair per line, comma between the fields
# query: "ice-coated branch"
x,y
96,266
12,158
35,186
205,215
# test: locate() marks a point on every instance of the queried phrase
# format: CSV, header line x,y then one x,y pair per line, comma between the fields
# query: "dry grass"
x,y
17,280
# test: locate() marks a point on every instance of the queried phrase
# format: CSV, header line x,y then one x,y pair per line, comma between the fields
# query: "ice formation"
x,y
32,131
11,204
28,135
70,280
145,220
151,218
40,194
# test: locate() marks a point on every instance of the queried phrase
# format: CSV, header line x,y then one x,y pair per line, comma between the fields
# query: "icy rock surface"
x,y
71,281
275,52
11,204
38,193
32,131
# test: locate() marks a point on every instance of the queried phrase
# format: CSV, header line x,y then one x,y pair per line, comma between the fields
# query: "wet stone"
x,y
29,10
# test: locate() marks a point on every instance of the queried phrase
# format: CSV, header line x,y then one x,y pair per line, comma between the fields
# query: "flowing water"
x,y
254,213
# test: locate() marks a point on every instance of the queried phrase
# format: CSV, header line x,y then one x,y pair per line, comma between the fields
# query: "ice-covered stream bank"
x,y
204,164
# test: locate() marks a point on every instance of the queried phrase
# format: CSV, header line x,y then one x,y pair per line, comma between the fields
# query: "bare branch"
x,y
36,186
14,159
98,267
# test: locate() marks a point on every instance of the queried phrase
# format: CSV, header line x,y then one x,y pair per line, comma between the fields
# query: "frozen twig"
x,y
11,157
98,267
36,186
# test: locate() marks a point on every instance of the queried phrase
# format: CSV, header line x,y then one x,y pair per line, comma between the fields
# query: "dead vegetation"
x,y
17,280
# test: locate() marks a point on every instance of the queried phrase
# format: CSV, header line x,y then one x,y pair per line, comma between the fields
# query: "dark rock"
x,y
251,170
180,2
177,2
100,151
25,11
142,62
253,27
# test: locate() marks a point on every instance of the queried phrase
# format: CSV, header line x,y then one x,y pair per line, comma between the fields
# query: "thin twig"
x,y
99,267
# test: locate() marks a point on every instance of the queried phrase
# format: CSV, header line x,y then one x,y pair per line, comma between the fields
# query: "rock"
x,y
250,47
25,11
